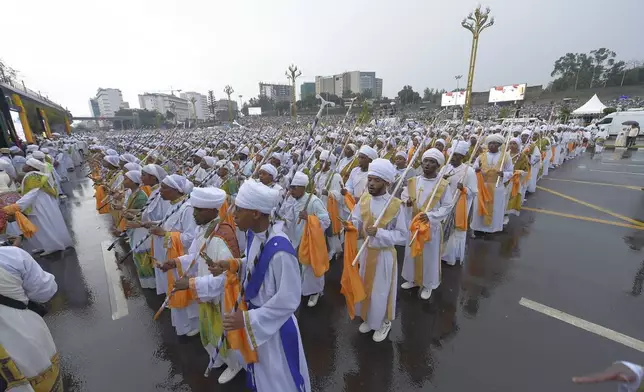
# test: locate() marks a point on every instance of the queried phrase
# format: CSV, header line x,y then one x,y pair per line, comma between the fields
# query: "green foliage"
x,y
367,94
365,114
504,112
407,95
609,110
433,95
564,114
142,118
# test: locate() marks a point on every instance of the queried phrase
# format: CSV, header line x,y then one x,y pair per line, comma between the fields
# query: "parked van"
x,y
612,123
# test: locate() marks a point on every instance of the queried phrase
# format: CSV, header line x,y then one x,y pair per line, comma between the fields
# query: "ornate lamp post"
x,y
475,22
292,74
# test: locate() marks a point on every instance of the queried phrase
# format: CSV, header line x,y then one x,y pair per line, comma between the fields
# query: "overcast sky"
x,y
69,48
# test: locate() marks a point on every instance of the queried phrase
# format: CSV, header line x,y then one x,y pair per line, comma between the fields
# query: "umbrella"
x,y
631,122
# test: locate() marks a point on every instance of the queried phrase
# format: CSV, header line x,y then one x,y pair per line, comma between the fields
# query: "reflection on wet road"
x,y
471,335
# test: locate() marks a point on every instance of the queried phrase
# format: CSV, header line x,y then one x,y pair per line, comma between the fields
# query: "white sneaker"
x,y
425,293
229,374
313,300
218,362
407,285
506,219
193,332
382,333
364,328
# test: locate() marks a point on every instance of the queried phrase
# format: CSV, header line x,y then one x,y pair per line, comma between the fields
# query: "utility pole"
x,y
292,74
475,22
211,103
457,77
228,90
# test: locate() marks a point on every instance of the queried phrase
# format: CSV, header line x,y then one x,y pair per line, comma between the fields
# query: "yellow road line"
x,y
598,208
635,188
584,218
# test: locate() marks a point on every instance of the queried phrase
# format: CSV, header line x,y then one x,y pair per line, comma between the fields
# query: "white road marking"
x,y
118,303
620,164
617,172
583,324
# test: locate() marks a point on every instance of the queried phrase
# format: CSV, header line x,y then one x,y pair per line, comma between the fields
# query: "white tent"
x,y
593,106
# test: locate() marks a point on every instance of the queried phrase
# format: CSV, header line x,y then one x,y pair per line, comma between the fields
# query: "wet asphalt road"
x,y
471,335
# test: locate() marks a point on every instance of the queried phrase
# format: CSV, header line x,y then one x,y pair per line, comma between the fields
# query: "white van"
x,y
612,123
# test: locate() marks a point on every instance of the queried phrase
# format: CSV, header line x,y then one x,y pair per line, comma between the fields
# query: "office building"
x,y
164,103
307,89
354,81
276,92
94,110
199,109
109,101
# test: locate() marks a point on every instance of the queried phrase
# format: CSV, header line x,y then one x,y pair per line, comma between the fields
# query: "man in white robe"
x,y
462,180
267,175
335,190
39,204
489,165
27,351
379,269
424,270
534,157
271,280
294,213
357,183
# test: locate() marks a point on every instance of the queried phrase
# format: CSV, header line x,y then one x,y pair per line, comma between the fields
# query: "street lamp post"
x,y
292,74
228,90
457,77
240,103
475,22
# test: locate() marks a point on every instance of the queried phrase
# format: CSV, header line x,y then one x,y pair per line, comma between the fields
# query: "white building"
x,y
163,103
200,108
354,81
109,100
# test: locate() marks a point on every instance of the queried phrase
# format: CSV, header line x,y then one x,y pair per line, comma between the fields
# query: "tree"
x,y
504,112
169,115
7,74
347,94
367,94
211,102
407,95
282,106
427,94
609,111
602,58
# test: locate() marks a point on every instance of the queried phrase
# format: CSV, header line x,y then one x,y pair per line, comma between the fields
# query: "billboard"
x,y
17,125
514,92
453,98
254,111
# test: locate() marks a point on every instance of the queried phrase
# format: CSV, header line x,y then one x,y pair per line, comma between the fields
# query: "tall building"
x,y
221,109
109,101
200,107
276,92
307,89
94,110
163,103
354,81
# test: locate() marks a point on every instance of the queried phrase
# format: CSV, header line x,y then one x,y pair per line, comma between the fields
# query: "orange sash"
x,y
460,218
424,234
102,199
484,198
224,216
349,201
147,189
351,283
237,339
552,157
27,228
181,298
334,214
312,250
411,153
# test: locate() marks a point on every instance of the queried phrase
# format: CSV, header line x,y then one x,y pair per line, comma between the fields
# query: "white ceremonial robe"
x,y
216,249
61,169
294,229
198,174
335,188
276,302
357,183
455,247
52,234
344,162
478,221
10,169
154,212
185,319
432,248
23,333
18,162
385,280
546,162
535,166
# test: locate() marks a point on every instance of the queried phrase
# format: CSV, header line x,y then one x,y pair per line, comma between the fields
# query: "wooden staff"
x,y
505,146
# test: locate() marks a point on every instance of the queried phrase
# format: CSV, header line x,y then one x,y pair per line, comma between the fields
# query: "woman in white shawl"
x,y
29,358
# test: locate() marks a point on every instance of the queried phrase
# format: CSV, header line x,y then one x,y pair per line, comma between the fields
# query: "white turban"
x,y
210,161
179,183
526,132
41,155
517,141
32,148
36,164
45,150
254,195
200,153
495,137
300,179
327,156
221,152
352,146
129,158
111,159
209,197
382,168
4,165
280,144
441,141
111,152
155,170
134,175
401,154
461,147
435,154
132,166
244,150
368,151
270,169
277,156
